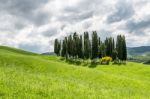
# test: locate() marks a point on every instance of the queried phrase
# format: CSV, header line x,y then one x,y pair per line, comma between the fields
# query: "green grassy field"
x,y
25,75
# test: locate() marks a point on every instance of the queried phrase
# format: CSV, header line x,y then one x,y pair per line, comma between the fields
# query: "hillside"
x,y
14,50
139,54
27,75
139,51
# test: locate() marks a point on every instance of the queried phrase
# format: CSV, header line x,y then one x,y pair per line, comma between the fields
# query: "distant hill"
x,y
48,53
139,51
139,54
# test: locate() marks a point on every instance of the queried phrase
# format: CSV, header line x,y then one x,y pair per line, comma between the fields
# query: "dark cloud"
x,y
21,6
75,17
83,10
139,26
87,24
123,10
27,9
19,25
83,5
49,33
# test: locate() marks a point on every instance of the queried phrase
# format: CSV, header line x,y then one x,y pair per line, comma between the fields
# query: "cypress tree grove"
x,y
75,46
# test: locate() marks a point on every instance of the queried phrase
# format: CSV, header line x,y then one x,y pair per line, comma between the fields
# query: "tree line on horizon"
x,y
82,47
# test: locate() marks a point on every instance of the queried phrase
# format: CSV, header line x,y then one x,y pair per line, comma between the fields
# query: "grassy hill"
x,y
25,75
139,51
139,54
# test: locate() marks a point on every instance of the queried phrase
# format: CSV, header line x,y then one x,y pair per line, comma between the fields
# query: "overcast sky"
x,y
34,24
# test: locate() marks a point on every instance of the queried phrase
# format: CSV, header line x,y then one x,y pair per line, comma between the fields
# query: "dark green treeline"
x,y
81,46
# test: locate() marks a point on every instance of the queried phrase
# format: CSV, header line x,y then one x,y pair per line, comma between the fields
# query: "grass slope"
x,y
30,76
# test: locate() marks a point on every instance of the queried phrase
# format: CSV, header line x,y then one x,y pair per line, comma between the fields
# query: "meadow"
x,y
25,75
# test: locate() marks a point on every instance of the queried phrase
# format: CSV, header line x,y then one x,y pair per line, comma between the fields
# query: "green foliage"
x,y
109,43
94,45
106,60
57,47
87,46
121,48
78,46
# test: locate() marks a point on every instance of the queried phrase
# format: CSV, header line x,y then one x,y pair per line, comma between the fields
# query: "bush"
x,y
106,60
116,61
119,62
94,61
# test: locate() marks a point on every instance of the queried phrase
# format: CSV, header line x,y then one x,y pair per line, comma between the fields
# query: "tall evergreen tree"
x,y
107,47
57,47
124,49
87,46
94,45
99,48
114,54
64,52
121,47
70,46
109,43
80,48
75,45
103,50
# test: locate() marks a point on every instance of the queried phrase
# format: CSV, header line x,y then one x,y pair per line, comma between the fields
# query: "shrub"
x,y
94,61
106,60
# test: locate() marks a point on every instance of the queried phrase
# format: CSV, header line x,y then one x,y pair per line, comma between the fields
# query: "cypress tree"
x,y
103,50
124,49
57,47
109,43
99,48
64,52
114,54
94,45
70,46
87,46
121,47
75,45
80,49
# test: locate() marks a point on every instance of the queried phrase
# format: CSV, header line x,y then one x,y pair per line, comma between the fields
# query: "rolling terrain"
x,y
31,76
139,54
139,51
